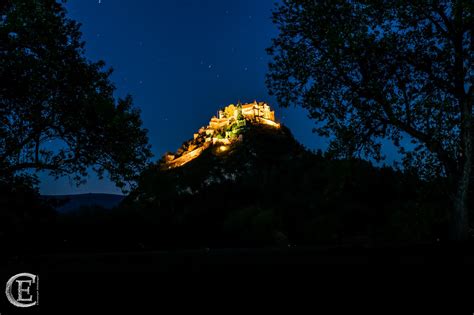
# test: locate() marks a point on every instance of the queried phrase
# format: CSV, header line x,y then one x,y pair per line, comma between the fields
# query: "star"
x,y
100,2
210,66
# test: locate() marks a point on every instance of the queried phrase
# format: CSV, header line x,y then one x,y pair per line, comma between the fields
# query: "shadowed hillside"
x,y
265,189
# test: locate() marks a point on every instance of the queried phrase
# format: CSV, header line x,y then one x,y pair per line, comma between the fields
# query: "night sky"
x,y
181,60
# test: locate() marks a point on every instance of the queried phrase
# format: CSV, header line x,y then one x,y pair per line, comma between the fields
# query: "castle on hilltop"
x,y
223,130
257,112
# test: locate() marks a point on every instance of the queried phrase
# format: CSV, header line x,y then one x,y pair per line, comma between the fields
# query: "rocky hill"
x,y
222,132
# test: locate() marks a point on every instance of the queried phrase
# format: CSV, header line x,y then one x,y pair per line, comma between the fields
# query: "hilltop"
x,y
244,180
244,141
222,132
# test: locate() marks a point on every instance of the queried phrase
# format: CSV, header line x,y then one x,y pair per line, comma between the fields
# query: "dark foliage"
x,y
57,109
269,191
26,220
373,70
57,114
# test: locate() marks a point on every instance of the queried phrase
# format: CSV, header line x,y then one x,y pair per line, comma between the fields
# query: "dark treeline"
x,y
280,195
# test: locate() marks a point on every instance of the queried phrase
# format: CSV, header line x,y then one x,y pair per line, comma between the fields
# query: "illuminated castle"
x,y
223,130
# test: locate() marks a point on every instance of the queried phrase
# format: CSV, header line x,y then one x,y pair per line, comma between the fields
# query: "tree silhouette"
x,y
368,70
57,109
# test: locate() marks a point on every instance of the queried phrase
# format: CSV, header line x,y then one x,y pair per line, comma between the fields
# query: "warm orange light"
x,y
260,113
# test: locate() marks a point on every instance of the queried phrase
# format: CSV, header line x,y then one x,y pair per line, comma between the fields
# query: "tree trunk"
x,y
460,219
459,229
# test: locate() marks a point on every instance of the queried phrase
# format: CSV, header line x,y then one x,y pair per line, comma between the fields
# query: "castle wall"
x,y
187,157
261,112
269,122
218,123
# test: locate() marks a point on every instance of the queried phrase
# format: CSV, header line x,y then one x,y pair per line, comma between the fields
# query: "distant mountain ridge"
x,y
75,202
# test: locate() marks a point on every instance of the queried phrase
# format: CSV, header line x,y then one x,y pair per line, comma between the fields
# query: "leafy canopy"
x,y
57,109
368,70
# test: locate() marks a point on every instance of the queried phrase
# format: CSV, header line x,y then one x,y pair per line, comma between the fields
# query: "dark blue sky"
x,y
181,60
